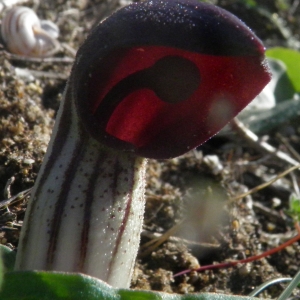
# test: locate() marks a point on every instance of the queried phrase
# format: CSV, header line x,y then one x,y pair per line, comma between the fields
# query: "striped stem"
x,y
86,210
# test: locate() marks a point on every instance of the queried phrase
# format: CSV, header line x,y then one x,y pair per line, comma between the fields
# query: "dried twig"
x,y
264,185
67,60
43,74
153,244
270,213
289,146
264,147
175,239
20,196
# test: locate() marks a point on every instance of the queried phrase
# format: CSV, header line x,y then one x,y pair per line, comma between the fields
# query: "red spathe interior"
x,y
226,86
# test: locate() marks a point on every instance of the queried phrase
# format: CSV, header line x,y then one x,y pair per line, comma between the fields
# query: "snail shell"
x,y
25,34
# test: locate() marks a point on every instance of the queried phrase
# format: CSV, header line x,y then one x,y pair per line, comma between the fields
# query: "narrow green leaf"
x,y
291,59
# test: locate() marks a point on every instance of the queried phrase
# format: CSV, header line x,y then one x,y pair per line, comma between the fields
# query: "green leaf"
x,y
262,122
151,295
214,296
291,59
275,105
295,206
31,285
146,295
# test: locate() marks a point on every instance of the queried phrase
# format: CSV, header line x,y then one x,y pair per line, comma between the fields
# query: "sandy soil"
x,y
190,192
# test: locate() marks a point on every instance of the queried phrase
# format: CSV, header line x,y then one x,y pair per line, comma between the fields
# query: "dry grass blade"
x,y
20,196
264,185
264,147
156,242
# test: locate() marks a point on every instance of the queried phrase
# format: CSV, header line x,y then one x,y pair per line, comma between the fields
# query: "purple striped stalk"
x,y
87,206
156,79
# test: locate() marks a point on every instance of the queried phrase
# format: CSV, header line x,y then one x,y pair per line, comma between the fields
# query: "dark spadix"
x,y
161,77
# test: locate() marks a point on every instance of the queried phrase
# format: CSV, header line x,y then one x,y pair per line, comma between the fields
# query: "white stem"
x,y
86,210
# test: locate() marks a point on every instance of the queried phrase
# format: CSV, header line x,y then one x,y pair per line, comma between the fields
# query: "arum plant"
x,y
154,80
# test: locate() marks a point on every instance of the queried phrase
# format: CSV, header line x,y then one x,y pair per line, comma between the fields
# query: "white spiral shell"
x,y
23,33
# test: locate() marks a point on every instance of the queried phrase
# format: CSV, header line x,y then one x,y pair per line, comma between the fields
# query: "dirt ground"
x,y
190,192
